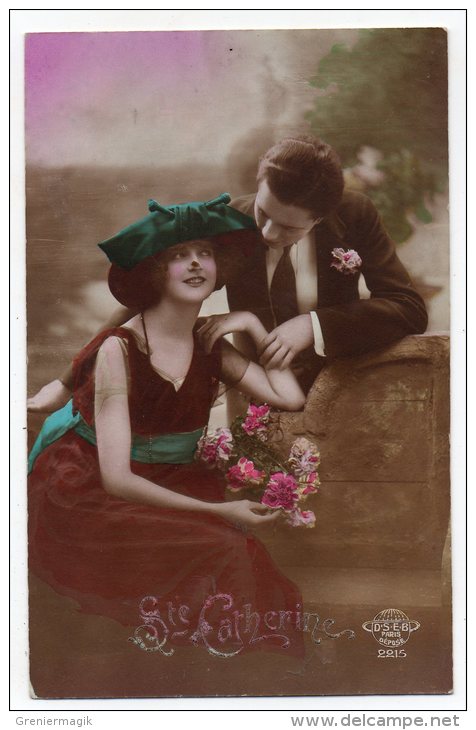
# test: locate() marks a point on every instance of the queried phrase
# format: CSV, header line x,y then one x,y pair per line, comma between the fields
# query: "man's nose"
x,y
271,231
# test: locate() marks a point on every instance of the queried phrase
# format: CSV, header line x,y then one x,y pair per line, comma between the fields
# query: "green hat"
x,y
165,227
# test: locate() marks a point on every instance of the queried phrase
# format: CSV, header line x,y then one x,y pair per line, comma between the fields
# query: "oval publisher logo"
x,y
391,628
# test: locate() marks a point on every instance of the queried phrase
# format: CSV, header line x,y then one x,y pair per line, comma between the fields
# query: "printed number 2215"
x,y
391,653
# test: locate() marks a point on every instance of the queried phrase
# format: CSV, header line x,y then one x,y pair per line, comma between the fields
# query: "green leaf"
x,y
389,91
423,214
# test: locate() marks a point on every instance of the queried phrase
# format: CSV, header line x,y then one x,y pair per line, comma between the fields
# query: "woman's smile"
x,y
196,280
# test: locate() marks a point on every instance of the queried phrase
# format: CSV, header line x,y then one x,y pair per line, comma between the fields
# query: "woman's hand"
x,y
245,513
50,398
219,325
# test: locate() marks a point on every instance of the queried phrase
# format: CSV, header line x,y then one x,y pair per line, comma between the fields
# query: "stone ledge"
x,y
381,421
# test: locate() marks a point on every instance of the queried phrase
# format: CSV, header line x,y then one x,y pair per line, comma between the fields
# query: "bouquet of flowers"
x,y
248,462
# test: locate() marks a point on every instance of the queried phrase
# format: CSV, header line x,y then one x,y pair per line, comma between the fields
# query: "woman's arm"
x,y
276,386
51,397
113,435
56,394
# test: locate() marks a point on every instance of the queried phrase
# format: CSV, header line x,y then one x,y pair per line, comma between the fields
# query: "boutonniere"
x,y
347,262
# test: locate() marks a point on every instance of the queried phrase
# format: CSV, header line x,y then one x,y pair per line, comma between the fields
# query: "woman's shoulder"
x,y
120,337
110,339
108,352
106,341
115,345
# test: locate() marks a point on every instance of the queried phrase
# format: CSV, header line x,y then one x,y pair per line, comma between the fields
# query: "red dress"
x,y
189,577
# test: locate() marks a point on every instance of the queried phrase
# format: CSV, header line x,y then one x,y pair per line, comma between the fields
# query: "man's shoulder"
x,y
245,204
355,205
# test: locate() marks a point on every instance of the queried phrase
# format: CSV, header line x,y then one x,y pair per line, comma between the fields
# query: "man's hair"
x,y
303,171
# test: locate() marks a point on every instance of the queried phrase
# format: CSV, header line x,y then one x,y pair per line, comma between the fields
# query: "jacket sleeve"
x,y
394,309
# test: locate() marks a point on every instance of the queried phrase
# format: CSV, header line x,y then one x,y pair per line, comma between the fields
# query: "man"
x,y
302,282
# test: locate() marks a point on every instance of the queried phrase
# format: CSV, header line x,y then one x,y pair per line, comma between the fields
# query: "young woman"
x,y
121,516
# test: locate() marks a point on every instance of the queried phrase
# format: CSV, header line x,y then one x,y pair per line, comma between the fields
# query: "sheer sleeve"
x,y
111,372
233,364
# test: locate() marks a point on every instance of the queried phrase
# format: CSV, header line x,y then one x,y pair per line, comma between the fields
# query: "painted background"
x,y
115,118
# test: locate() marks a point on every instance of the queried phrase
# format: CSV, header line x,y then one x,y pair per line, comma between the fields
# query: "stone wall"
x,y
381,422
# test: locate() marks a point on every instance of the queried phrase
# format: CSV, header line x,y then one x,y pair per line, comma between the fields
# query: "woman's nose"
x,y
195,263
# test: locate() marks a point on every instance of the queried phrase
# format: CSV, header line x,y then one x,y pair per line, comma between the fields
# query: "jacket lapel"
x,y
332,286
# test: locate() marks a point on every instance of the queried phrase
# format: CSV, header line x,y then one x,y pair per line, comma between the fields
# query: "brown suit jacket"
x,y
350,325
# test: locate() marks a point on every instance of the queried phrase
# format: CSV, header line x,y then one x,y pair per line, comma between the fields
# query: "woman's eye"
x,y
206,252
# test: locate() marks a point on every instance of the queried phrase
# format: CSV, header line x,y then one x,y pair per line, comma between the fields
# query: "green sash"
x,y
169,448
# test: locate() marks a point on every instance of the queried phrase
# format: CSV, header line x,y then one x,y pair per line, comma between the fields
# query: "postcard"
x,y
331,143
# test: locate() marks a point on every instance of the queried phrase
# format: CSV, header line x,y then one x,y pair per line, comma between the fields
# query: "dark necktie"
x,y
282,291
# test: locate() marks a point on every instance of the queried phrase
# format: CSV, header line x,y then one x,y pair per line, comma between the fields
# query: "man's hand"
x,y
50,398
279,348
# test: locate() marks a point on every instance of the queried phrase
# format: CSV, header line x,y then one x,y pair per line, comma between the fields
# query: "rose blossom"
x,y
256,421
347,262
301,518
243,474
308,484
303,457
281,491
215,448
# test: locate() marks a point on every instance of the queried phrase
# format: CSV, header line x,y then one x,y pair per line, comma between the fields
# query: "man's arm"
x,y
394,309
245,204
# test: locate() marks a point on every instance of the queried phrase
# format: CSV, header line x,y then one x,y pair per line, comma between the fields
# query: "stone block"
x,y
381,422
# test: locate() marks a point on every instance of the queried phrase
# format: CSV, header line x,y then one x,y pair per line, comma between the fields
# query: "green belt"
x,y
169,448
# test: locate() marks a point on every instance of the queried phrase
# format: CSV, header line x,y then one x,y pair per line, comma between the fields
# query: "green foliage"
x,y
261,454
389,92
406,185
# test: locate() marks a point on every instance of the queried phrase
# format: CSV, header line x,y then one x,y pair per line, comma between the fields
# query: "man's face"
x,y
280,224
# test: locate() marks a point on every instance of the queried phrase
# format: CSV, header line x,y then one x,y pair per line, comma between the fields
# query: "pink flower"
x,y
308,484
303,457
215,448
243,474
281,491
301,518
256,421
347,262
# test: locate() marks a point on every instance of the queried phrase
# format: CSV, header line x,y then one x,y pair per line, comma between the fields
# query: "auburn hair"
x,y
141,287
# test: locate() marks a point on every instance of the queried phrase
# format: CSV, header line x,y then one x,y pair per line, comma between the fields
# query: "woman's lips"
x,y
195,280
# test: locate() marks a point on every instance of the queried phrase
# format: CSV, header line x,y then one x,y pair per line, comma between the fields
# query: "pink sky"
x,y
85,80
124,98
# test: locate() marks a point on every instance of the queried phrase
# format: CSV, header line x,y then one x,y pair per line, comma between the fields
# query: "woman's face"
x,y
191,271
